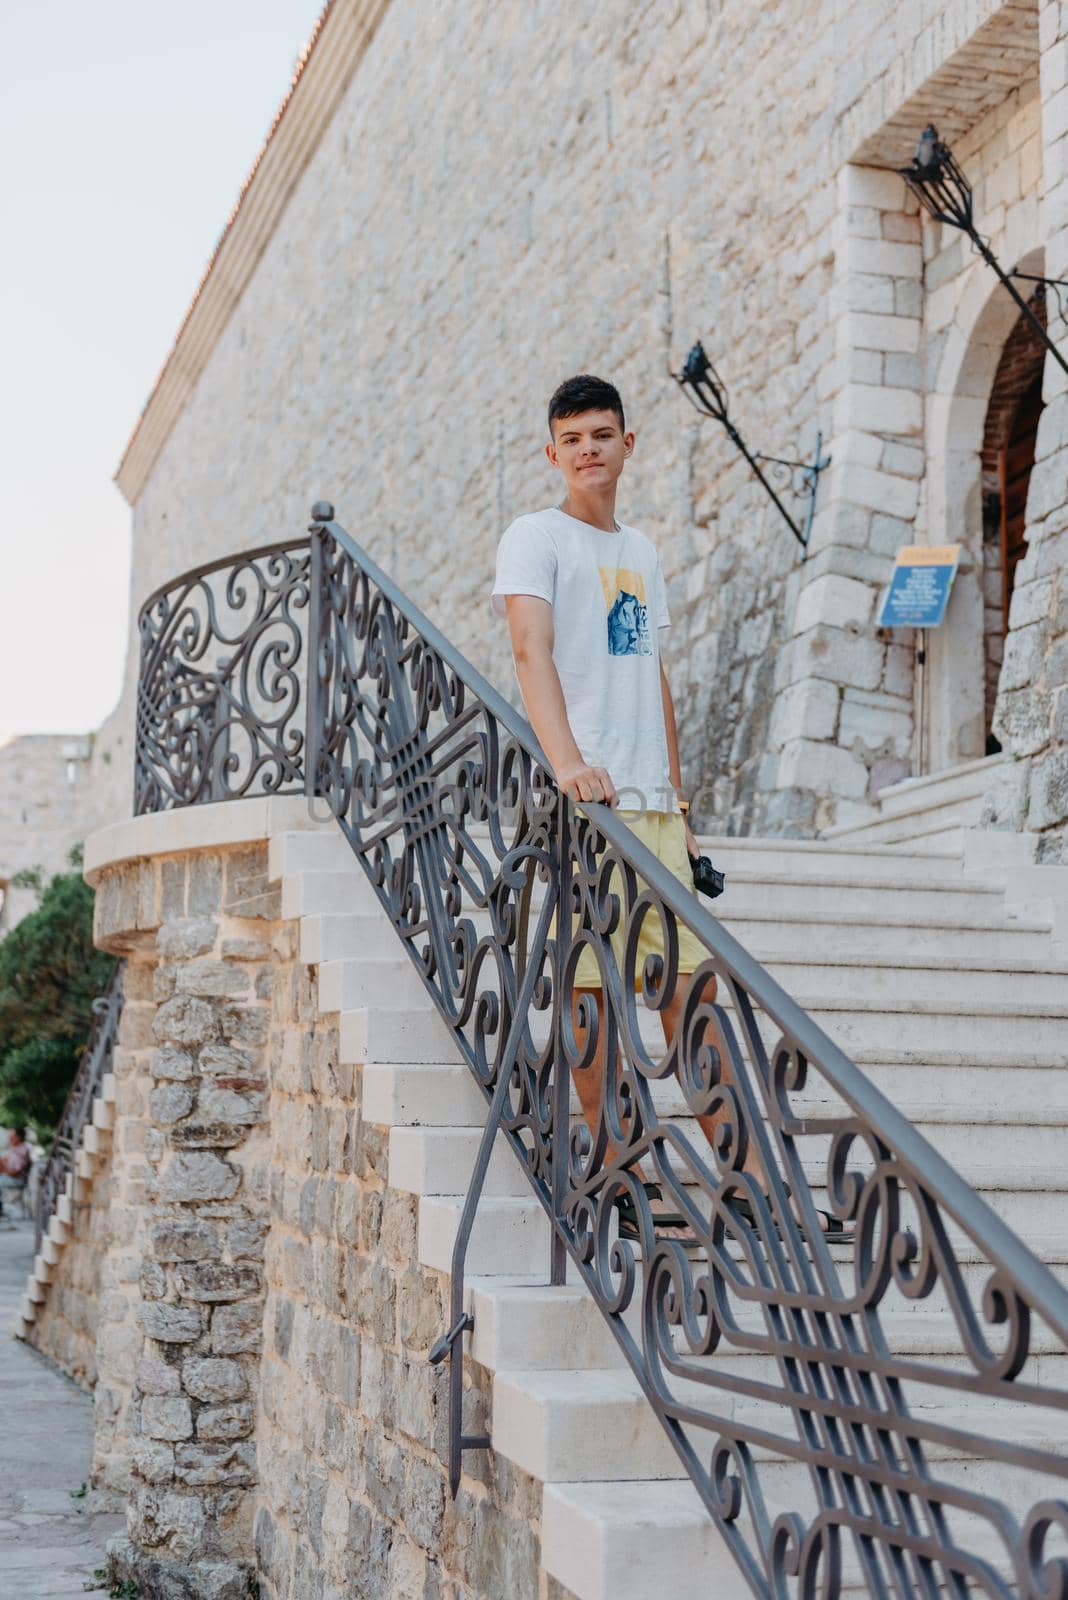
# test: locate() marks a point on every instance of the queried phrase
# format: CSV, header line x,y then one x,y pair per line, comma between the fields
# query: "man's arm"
x,y
674,765
530,623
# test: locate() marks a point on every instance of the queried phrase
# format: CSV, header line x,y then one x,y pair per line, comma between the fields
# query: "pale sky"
x,y
127,129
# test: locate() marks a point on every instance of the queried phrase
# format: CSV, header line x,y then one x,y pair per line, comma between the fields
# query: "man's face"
x,y
589,450
13,1137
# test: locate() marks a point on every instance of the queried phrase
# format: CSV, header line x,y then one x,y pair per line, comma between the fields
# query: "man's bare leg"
x,y
671,1016
590,1087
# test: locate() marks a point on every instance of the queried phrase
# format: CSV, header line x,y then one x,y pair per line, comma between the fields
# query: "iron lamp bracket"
x,y
707,393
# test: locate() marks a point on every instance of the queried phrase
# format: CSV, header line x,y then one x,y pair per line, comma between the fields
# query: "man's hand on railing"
x,y
581,782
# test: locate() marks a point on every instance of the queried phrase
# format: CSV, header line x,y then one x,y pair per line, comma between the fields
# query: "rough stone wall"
x,y
1032,714
353,1500
263,1397
179,1336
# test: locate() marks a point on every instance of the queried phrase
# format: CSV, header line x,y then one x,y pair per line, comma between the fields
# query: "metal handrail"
x,y
94,1063
445,796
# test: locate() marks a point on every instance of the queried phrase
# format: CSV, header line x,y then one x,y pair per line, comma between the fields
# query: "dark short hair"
x,y
19,1133
584,392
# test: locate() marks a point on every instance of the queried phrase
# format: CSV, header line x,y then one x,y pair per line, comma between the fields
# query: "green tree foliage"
x,y
50,973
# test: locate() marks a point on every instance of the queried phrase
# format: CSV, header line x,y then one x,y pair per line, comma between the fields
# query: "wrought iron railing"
x,y
94,1063
888,1414
219,703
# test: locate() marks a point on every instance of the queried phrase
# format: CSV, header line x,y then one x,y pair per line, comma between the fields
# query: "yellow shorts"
x,y
662,833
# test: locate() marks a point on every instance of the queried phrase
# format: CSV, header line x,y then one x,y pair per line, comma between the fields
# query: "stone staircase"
x,y
929,813
92,1154
941,973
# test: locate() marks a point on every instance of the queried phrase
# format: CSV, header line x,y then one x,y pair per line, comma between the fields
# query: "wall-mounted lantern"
x,y
707,392
935,178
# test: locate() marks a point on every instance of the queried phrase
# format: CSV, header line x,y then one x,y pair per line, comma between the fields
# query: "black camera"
x,y
706,878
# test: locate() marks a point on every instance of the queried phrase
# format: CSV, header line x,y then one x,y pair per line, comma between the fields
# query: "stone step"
x,y
372,1033
848,962
964,783
386,980
816,858
392,981
318,849
426,1161
908,897
563,1427
877,918
509,1235
103,1114
446,1094
915,895
336,890
628,1541
96,1138
533,1326
428,1095
1006,1095
944,983
1040,1035
336,935
968,781
1034,1210
892,1028
439,1161
803,858
988,942
937,830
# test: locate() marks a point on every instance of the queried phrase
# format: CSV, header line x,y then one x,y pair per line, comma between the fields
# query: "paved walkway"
x,y
50,1544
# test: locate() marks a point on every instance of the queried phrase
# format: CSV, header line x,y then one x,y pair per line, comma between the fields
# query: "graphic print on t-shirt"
x,y
628,613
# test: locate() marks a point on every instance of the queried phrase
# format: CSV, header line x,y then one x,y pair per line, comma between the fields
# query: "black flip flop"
x,y
835,1230
630,1227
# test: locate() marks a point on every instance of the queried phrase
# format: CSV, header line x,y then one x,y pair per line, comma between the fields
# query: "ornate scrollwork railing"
x,y
886,1415
219,700
94,1063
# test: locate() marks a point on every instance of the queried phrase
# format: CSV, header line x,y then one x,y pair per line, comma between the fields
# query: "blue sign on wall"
x,y
919,590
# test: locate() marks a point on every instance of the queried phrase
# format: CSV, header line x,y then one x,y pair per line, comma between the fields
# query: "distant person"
x,y
15,1163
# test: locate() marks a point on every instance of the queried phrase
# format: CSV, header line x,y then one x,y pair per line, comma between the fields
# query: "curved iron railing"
x,y
214,725
887,1415
95,1062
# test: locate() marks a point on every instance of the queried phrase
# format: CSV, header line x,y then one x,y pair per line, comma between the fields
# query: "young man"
x,y
585,600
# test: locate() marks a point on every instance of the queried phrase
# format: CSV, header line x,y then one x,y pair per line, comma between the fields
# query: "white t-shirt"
x,y
608,598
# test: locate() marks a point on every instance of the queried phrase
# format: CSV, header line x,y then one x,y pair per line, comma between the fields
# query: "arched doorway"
x,y
1008,455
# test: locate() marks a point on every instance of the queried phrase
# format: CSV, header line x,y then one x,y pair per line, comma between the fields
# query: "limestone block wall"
x,y
45,809
664,177
920,324
352,1497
